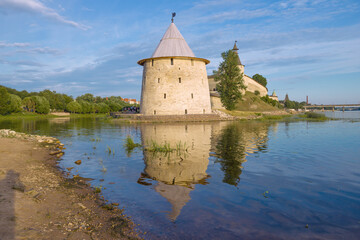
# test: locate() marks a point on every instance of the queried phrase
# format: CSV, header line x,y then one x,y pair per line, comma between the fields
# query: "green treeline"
x,y
12,101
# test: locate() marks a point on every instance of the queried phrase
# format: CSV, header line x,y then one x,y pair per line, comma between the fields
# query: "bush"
x,y
257,93
271,101
315,115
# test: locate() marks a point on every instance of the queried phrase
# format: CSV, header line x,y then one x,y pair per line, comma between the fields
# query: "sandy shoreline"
x,y
38,202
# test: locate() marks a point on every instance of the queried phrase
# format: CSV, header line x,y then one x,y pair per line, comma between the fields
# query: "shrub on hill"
x,y
271,101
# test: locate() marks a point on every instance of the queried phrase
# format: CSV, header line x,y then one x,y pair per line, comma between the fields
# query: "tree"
x,y
29,104
102,108
15,103
41,104
88,97
114,107
86,107
230,80
73,107
4,101
260,79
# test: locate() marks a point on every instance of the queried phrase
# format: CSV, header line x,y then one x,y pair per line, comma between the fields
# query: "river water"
x,y
229,180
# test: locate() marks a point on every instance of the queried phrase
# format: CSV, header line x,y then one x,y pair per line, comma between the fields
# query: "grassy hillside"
x,y
253,103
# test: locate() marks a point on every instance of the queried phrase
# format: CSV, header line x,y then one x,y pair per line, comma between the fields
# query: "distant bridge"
x,y
333,106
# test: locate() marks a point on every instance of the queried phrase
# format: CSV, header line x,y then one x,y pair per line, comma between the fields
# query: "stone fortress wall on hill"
x,y
251,85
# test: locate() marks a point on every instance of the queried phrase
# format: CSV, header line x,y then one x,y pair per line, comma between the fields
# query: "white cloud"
x,y
236,15
41,50
35,6
15,44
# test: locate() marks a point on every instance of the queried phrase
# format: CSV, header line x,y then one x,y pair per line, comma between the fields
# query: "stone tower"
x,y
235,49
174,80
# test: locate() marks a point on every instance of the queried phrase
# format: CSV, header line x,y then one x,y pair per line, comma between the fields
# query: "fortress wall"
x,y
252,86
160,77
250,83
216,103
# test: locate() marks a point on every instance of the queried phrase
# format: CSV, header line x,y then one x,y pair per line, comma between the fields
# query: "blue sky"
x,y
302,47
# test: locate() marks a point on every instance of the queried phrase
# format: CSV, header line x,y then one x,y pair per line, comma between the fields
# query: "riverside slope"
x,y
37,202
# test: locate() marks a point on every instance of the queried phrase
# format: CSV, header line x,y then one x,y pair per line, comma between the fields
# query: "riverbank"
x,y
27,115
38,202
217,115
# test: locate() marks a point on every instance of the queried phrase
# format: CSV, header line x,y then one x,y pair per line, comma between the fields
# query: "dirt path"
x,y
36,202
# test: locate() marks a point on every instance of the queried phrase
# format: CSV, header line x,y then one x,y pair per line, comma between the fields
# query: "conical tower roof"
x,y
235,49
172,44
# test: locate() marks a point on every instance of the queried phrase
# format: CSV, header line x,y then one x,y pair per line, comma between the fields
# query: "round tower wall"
x,y
175,87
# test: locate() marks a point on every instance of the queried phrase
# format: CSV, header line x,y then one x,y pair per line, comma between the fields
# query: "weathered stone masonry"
x,y
174,80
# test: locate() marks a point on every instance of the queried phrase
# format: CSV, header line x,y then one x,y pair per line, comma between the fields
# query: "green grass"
x,y
110,150
242,114
314,116
253,103
130,144
156,147
166,147
26,115
88,115
274,117
98,189
30,116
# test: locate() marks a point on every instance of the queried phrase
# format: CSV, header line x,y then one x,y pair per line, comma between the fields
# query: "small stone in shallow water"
x,y
78,162
55,152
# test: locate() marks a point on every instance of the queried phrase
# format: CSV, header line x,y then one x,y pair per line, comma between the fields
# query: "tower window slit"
x,y
172,61
192,95
179,80
192,62
164,95
152,62
185,111
158,80
154,112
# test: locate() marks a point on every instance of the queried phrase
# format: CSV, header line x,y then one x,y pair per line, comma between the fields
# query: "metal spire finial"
x,y
173,15
235,48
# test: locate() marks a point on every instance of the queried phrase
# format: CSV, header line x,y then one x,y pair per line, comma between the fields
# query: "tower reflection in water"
x,y
177,172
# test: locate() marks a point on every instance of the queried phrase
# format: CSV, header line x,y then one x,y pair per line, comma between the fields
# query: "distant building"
x,y
273,96
130,101
174,80
251,84
286,98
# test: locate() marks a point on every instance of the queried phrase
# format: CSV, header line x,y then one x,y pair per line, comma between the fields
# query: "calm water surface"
x,y
236,180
